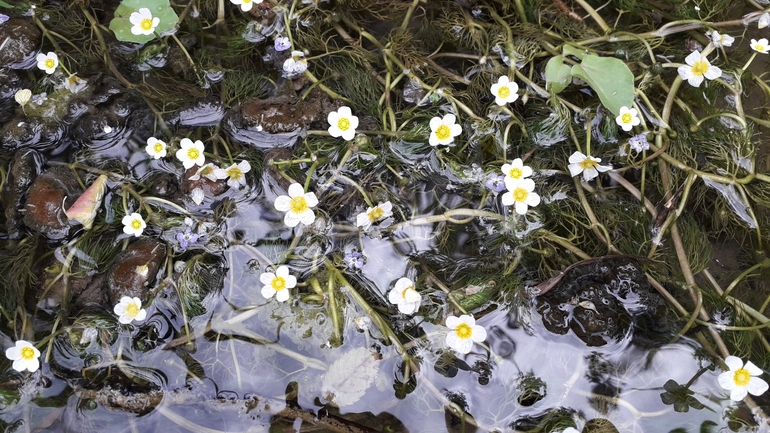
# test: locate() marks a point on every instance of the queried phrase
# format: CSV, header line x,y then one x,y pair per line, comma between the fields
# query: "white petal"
x,y
695,80
141,315
135,18
406,307
296,190
726,380
455,130
362,220
713,72
282,296
738,393
412,296
685,72
291,281
291,219
435,123
282,203
449,119
282,271
577,158
307,217
353,122
692,58
433,140
402,284
452,322
333,118
532,199
756,386
452,340
507,198
521,208
752,369
589,174
311,199
267,278
267,292
479,334
344,111
574,169
394,296
464,346
349,134
13,353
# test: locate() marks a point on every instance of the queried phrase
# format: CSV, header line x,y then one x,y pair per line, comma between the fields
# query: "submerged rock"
x,y
135,269
25,166
20,39
276,121
601,301
50,193
206,111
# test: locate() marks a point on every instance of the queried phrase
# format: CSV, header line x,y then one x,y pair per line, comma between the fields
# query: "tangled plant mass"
x,y
320,158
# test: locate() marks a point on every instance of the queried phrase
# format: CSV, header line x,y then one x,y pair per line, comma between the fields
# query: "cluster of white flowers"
x,y
520,190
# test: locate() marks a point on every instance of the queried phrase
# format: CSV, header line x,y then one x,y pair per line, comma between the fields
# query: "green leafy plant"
x,y
121,25
609,77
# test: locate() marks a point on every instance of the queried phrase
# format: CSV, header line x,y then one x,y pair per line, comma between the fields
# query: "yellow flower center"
x,y
403,294
626,118
27,353
759,47
235,173
158,147
136,224
193,153
146,24
278,284
503,91
246,2
587,163
442,133
520,194
375,214
343,124
700,67
132,310
298,204
50,63
515,173
741,377
463,331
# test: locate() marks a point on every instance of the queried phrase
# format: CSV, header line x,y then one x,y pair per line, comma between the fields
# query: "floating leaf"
x,y
680,397
610,78
557,75
349,377
87,205
121,25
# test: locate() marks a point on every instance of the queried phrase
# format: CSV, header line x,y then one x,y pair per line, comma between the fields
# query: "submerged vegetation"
x,y
401,215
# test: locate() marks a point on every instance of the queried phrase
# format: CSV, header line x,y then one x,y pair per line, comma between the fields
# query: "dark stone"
x,y
123,278
601,301
20,39
50,194
24,168
206,111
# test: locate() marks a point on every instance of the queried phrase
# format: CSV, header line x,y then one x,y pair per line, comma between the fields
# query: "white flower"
x,y
505,91
129,309
74,84
47,62
443,131
133,224
516,170
741,379
343,123
143,22
24,356
760,46
588,165
764,20
405,296
245,4
277,283
697,67
720,40
294,65
208,170
156,148
570,430
191,153
520,194
374,214
297,206
23,96
142,270
197,195
235,173
628,118
463,332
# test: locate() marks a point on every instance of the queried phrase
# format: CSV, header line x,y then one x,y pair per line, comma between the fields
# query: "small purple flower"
x,y
495,182
186,238
354,260
639,142
40,99
282,43
4,18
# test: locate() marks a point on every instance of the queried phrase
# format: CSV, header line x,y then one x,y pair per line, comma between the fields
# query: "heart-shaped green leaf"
x,y
121,25
610,78
557,75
